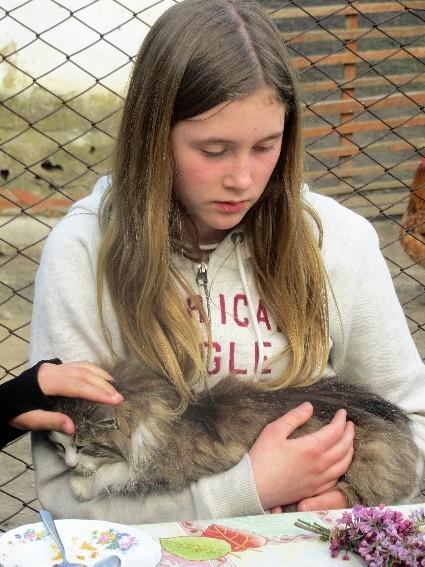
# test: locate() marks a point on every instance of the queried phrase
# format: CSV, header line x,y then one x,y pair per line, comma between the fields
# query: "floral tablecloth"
x,y
271,540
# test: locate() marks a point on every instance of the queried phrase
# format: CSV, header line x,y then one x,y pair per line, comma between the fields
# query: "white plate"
x,y
85,541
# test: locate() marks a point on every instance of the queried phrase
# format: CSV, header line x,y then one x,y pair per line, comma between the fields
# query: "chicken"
x,y
412,233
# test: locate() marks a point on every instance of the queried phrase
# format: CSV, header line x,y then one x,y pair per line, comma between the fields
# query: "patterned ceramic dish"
x,y
86,541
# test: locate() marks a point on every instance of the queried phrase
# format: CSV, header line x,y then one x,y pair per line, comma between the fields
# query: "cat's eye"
x,y
78,447
59,447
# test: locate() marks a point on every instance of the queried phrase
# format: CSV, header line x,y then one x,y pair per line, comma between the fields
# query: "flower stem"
x,y
315,528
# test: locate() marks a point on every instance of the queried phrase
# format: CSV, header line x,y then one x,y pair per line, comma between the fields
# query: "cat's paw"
x,y
83,487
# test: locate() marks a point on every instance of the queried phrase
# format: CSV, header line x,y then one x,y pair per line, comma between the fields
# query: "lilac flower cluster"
x,y
380,536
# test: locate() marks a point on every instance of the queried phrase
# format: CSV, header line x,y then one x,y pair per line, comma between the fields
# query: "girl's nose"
x,y
239,175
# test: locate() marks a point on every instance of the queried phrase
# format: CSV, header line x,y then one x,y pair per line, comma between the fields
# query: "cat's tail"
x,y
327,396
330,394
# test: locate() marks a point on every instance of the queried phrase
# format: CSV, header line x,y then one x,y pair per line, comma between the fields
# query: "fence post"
x,y
347,93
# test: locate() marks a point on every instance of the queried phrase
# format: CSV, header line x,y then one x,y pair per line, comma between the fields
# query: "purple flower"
x,y
380,536
335,547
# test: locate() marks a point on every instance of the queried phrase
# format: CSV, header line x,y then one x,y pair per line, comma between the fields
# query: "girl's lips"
x,y
231,206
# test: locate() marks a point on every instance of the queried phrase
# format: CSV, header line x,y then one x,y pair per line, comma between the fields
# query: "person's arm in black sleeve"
x,y
19,395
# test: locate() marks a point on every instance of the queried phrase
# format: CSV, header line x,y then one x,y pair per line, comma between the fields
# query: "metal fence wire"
x,y
63,73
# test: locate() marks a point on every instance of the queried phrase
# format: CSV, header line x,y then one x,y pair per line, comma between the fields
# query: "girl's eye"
x,y
263,149
213,154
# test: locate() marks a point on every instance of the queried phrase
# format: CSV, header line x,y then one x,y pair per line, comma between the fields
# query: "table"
x,y
272,540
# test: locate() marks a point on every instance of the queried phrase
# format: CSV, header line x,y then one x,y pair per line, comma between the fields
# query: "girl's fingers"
x,y
327,436
77,380
93,369
344,447
334,472
291,420
331,500
44,420
335,462
94,392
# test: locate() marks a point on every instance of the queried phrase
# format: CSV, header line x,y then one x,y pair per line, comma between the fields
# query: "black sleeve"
x,y
20,395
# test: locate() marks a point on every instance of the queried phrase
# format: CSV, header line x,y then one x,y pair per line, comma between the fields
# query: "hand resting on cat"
x,y
143,445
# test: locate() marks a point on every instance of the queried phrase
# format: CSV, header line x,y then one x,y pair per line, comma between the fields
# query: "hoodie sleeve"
x,y
20,395
17,396
371,340
66,324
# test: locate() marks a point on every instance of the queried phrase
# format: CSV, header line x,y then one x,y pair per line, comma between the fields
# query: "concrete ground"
x,y
18,503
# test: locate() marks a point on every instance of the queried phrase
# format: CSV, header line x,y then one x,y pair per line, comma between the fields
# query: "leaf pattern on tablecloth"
x,y
179,551
239,540
207,547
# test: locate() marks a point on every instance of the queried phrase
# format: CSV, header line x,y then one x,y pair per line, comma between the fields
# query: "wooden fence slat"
x,y
353,150
365,171
335,34
363,82
364,126
371,188
318,12
391,203
395,100
344,57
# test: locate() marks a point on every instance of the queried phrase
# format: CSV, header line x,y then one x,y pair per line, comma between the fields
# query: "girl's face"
x,y
224,159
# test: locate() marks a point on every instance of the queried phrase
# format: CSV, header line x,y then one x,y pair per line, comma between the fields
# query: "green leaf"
x,y
196,548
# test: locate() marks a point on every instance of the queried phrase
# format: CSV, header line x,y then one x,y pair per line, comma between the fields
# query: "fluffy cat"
x,y
143,446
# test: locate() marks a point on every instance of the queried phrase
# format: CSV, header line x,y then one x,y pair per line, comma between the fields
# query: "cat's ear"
x,y
103,417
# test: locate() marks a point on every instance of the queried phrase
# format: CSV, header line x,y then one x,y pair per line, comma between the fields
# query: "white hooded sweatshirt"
x,y
370,343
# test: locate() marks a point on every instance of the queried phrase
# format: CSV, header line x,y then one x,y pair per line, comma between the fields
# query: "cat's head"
x,y
92,444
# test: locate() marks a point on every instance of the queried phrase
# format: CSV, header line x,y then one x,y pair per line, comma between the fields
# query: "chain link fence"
x,y
63,72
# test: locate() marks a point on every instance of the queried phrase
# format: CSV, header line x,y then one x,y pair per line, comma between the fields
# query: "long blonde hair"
x,y
197,55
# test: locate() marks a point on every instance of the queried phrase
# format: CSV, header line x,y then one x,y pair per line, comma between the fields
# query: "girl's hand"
x,y
71,380
78,380
331,500
292,470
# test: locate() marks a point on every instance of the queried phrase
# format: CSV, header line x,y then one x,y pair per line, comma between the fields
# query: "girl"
x,y
204,236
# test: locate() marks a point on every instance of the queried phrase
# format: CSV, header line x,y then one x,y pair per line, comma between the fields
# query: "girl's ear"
x,y
103,417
